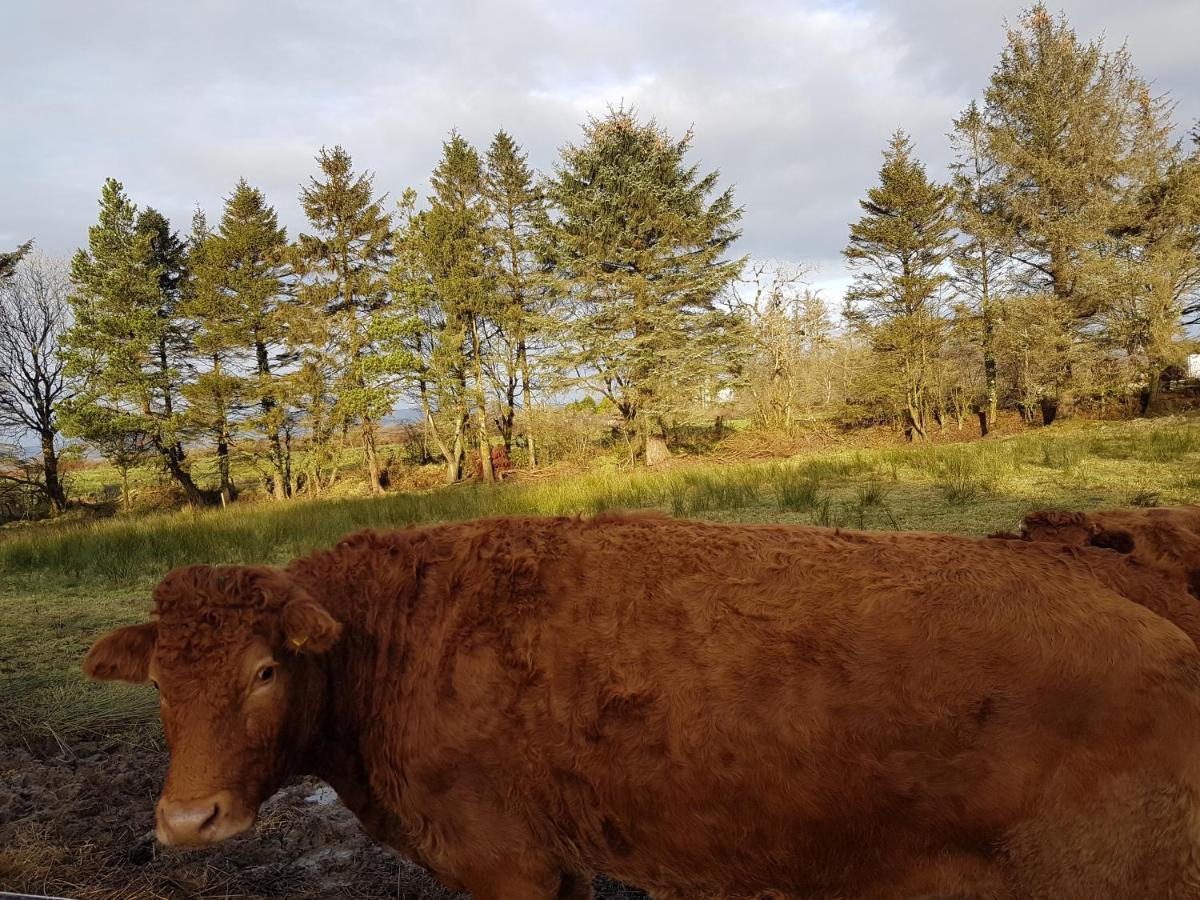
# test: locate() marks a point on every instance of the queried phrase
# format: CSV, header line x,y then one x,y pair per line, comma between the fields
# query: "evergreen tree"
x,y
127,343
1059,117
519,219
1154,256
343,269
898,251
241,284
422,341
980,257
10,260
457,250
642,243
214,392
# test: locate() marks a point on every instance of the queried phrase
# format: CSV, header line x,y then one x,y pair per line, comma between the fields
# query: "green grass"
x,y
62,585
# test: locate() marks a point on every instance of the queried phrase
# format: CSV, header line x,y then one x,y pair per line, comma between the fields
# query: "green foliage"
x,y
1060,120
898,251
342,268
128,347
11,259
1168,446
236,306
444,297
522,319
871,493
642,243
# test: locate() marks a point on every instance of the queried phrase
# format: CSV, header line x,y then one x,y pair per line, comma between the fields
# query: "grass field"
x,y
60,587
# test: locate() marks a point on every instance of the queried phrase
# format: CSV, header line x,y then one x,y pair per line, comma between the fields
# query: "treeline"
x,y
497,289
1061,262
1058,265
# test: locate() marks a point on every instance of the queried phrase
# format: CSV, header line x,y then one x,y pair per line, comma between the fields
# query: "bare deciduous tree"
x,y
33,314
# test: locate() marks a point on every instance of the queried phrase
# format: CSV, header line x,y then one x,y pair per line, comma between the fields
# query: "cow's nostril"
x,y
194,823
212,819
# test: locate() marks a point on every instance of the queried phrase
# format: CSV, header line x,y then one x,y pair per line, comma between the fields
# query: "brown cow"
x,y
703,710
1166,537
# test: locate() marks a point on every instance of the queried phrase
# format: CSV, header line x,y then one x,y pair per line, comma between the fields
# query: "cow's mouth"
x,y
201,821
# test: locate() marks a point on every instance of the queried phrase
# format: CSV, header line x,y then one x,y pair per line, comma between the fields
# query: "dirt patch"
x,y
80,825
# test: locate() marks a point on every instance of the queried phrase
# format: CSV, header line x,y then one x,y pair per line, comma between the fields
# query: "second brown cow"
x,y
698,709
1166,539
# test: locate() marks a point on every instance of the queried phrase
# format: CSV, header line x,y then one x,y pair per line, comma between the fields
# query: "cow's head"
x,y
1167,538
1078,529
234,652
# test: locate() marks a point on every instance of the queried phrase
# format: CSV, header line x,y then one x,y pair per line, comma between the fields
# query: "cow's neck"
x,y
364,661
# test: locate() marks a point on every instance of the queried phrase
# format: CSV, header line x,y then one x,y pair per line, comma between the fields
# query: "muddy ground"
x,y
78,822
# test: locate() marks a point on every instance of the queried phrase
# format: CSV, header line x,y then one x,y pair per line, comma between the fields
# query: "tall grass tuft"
x,y
964,477
1168,446
797,488
826,514
871,493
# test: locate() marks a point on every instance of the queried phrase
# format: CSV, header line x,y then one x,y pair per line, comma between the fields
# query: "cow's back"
x,y
701,707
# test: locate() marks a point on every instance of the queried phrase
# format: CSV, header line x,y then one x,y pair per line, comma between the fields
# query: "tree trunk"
x,y
454,459
913,426
482,440
281,464
657,451
1049,410
226,491
527,400
1152,396
55,492
195,495
283,479
373,475
509,414
987,421
125,499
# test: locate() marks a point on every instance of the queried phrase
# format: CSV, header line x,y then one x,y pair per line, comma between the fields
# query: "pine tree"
x,y
519,219
642,243
214,392
10,260
127,343
980,257
457,251
1059,114
1154,254
897,251
241,284
343,268
421,339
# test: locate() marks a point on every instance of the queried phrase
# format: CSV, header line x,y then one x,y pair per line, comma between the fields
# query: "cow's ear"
x,y
1114,539
308,627
123,654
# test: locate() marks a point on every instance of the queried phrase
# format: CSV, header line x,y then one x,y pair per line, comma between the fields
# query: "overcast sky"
x,y
793,102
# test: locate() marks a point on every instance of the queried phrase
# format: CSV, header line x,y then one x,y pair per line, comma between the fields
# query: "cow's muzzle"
x,y
201,821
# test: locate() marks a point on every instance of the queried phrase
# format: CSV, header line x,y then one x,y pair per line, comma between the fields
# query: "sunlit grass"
x,y
946,487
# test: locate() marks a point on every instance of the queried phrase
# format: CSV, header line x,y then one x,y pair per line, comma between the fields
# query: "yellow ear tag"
x,y
299,642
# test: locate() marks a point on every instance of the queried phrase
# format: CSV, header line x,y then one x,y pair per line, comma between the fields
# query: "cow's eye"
x,y
155,683
265,674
